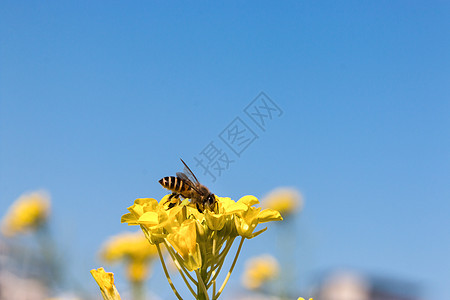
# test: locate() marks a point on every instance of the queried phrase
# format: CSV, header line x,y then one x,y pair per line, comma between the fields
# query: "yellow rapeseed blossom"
x,y
285,200
105,281
259,270
199,241
134,250
26,214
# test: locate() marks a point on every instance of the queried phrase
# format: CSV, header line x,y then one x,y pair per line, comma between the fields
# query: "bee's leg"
x,y
214,207
170,197
198,208
172,204
173,195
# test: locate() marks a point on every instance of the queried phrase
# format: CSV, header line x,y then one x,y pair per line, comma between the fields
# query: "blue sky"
x,y
98,101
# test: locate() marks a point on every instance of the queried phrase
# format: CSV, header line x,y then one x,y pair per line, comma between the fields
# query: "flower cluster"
x,y
199,241
27,213
134,250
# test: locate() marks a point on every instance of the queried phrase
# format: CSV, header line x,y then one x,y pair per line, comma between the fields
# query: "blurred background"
x,y
99,100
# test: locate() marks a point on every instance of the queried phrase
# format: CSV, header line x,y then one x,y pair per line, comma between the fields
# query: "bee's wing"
x,y
189,173
187,180
184,177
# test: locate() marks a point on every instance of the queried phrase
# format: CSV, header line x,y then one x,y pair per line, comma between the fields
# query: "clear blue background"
x,y
98,100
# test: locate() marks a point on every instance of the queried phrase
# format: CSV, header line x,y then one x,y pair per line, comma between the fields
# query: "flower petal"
x,y
249,200
149,219
184,240
214,221
268,215
129,218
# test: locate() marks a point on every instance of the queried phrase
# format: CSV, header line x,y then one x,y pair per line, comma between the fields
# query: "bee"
x,y
187,186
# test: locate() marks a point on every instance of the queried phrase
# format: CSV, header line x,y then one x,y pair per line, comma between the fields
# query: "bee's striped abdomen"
x,y
174,184
168,182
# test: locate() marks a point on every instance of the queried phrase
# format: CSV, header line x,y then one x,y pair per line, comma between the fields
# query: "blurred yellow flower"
x,y
285,200
134,250
199,241
105,281
26,214
259,270
137,270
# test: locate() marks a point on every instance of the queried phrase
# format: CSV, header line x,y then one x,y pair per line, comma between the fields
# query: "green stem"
x,y
167,273
227,247
214,272
54,276
176,258
219,264
178,266
202,291
231,270
138,290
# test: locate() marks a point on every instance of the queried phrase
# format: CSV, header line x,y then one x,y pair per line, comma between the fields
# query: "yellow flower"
x,y
246,221
137,270
152,217
184,240
106,283
26,214
285,200
259,270
199,241
134,249
237,218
